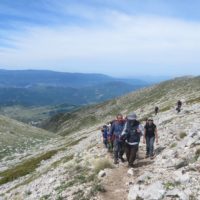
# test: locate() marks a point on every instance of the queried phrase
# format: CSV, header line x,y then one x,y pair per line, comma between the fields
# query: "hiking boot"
x,y
147,156
130,165
152,157
122,160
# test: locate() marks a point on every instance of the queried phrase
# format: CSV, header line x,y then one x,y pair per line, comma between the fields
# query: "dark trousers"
x,y
131,151
105,141
118,149
150,145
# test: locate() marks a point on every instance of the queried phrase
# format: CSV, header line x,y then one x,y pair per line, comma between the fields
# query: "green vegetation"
x,y
197,154
102,164
173,145
45,197
182,135
165,109
35,114
195,100
24,168
70,122
170,185
97,187
76,141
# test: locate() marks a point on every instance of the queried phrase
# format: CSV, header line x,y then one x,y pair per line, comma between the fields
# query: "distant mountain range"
x,y
41,87
31,78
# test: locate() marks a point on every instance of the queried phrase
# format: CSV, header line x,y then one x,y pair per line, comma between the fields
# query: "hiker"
x,y
156,110
104,131
115,133
150,134
132,133
110,138
179,104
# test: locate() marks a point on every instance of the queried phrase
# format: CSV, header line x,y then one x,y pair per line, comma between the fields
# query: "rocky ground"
x,y
81,167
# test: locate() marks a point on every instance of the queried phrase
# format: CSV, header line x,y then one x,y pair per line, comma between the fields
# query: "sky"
x,y
121,38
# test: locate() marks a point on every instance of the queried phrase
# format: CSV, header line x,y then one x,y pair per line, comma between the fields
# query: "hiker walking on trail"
x,y
115,133
179,105
150,134
132,133
104,131
156,110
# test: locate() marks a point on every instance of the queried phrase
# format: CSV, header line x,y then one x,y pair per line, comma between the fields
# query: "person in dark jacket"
x,y
156,110
150,134
104,131
179,105
115,133
132,133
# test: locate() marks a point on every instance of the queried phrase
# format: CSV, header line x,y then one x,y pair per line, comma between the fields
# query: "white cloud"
x,y
125,40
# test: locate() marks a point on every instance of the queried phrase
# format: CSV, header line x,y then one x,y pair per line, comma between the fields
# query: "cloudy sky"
x,y
115,37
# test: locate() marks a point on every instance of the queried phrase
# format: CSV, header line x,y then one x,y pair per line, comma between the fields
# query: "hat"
x,y
132,116
150,119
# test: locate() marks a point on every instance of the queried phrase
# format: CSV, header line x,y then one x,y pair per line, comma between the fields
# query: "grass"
x,y
24,168
182,135
195,100
197,154
96,187
173,145
102,164
165,109
45,197
170,185
76,141
63,160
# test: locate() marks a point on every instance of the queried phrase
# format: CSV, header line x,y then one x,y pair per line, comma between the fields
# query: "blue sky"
x,y
119,38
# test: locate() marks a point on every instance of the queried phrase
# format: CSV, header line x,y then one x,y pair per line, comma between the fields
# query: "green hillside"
x,y
165,95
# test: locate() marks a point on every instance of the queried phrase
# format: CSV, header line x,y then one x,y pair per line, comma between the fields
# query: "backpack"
x,y
132,134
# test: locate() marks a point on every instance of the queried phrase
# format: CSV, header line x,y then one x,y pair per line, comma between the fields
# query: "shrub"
x,y
102,164
173,145
182,135
197,154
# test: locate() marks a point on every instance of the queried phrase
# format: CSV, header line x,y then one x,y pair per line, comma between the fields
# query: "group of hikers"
x,y
122,136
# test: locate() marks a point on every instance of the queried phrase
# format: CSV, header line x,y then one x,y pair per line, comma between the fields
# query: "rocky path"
x,y
118,181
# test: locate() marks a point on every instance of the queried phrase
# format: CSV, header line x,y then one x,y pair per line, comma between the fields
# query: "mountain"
x,y
30,78
49,95
42,90
75,165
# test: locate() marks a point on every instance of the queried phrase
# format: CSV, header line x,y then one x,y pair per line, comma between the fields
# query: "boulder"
x,y
101,174
153,191
176,193
130,172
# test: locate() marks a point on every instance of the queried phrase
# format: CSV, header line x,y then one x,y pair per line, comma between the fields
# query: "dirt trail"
x,y
117,181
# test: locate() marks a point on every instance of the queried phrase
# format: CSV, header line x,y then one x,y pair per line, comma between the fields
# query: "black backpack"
x,y
132,134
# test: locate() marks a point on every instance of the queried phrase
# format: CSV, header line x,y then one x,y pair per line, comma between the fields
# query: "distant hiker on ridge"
x,y
132,133
115,132
150,134
156,110
179,105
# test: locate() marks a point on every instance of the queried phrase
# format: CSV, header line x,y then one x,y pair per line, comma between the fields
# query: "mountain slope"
x,y
70,169
164,95
16,137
